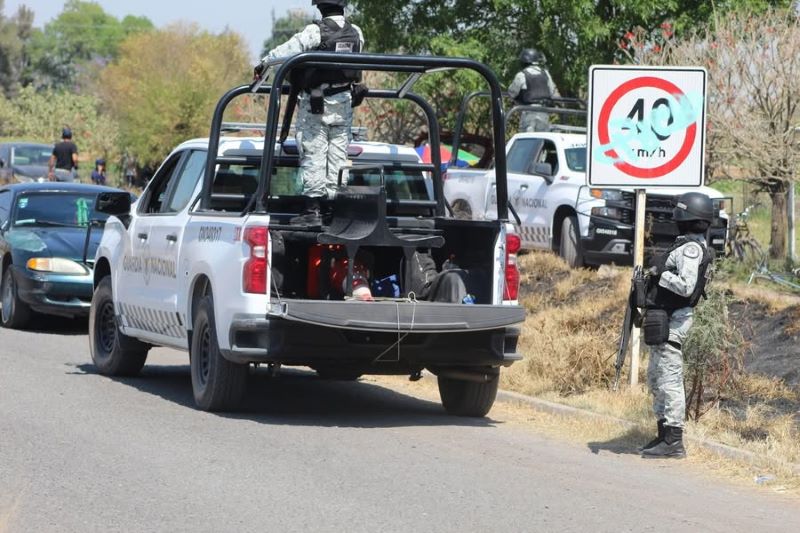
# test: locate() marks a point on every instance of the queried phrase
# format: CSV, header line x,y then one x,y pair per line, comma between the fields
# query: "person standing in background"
x,y
65,156
99,172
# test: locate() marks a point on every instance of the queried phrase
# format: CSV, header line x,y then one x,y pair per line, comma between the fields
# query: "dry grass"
x,y
569,342
773,300
573,320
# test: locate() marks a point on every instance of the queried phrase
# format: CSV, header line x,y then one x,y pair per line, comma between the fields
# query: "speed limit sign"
x,y
646,126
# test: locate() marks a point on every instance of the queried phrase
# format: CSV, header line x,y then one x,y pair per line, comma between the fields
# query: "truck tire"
x,y
570,247
217,384
467,398
113,353
16,314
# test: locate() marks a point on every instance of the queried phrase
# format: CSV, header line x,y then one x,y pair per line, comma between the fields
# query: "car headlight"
x,y
606,194
56,265
607,212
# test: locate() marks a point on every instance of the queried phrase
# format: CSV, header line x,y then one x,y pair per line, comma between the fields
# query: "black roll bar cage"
x,y
415,65
547,106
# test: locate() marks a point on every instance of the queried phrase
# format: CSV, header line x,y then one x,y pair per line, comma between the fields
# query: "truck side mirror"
x,y
544,170
113,203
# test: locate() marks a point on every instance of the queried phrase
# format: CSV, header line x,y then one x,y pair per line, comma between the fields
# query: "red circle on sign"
x,y
605,114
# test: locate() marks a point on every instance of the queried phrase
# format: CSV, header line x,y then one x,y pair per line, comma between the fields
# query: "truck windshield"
x,y
55,209
576,158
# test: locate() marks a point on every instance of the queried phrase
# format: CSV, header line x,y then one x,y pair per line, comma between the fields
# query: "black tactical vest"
x,y
537,87
659,297
332,39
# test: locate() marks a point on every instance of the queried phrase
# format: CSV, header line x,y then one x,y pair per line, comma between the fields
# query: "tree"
x,y
14,34
573,35
83,34
39,116
163,87
284,27
753,62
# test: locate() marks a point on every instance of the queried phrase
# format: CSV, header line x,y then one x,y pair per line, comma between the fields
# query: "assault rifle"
x,y
632,316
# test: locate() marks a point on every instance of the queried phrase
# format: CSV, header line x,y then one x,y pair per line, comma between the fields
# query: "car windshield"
x,y
576,158
54,209
32,155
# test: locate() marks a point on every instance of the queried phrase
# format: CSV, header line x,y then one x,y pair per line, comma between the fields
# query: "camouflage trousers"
x,y
665,372
530,122
322,141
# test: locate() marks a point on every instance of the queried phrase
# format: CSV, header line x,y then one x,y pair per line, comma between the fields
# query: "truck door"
x,y
166,239
527,191
144,274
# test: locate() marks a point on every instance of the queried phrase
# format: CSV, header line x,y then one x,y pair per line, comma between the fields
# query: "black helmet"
x,y
66,133
339,3
531,56
693,206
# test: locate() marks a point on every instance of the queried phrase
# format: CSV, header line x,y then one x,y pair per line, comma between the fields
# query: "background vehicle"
x,y
558,212
43,230
26,161
207,261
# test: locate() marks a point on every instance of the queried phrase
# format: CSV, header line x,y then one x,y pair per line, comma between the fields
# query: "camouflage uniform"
x,y
665,371
322,139
528,121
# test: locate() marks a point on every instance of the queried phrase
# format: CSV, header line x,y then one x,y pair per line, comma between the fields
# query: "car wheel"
x,y
16,314
570,247
217,383
467,398
113,352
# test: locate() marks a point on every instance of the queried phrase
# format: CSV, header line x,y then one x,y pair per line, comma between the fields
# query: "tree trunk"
x,y
777,236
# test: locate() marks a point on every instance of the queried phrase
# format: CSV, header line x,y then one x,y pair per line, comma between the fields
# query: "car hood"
x,y
36,171
52,242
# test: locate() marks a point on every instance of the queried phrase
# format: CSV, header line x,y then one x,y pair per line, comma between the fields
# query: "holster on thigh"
x,y
656,327
317,101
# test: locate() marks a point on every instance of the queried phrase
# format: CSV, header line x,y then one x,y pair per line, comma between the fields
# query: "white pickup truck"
x,y
558,212
208,261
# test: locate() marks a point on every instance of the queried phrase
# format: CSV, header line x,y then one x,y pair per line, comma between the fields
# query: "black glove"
x,y
258,70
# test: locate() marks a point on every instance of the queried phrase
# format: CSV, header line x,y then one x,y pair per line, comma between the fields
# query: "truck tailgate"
x,y
390,316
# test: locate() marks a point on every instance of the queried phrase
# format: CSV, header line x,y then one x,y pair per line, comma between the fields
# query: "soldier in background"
x,y
532,85
677,281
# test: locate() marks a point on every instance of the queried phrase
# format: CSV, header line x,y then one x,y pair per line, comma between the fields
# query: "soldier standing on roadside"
x,y
532,85
677,281
325,102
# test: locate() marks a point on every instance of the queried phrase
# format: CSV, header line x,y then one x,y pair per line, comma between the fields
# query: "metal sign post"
x,y
646,131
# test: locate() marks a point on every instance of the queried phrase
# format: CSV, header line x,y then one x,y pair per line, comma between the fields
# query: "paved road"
x,y
81,452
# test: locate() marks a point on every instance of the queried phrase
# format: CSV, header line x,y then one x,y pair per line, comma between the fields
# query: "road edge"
x,y
568,411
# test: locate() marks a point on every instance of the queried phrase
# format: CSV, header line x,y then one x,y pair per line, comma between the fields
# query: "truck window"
x,y
186,181
549,154
401,184
521,155
576,158
155,196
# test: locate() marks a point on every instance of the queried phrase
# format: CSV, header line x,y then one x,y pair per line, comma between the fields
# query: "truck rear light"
x,y
254,276
513,246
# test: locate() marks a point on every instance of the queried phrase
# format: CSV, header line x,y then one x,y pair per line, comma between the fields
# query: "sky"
x,y
251,18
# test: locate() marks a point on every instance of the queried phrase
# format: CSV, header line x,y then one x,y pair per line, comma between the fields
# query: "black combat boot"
x,y
311,216
659,436
670,448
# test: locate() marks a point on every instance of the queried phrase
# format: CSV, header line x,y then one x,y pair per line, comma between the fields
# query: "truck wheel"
x,y
467,398
218,384
113,353
15,314
570,248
